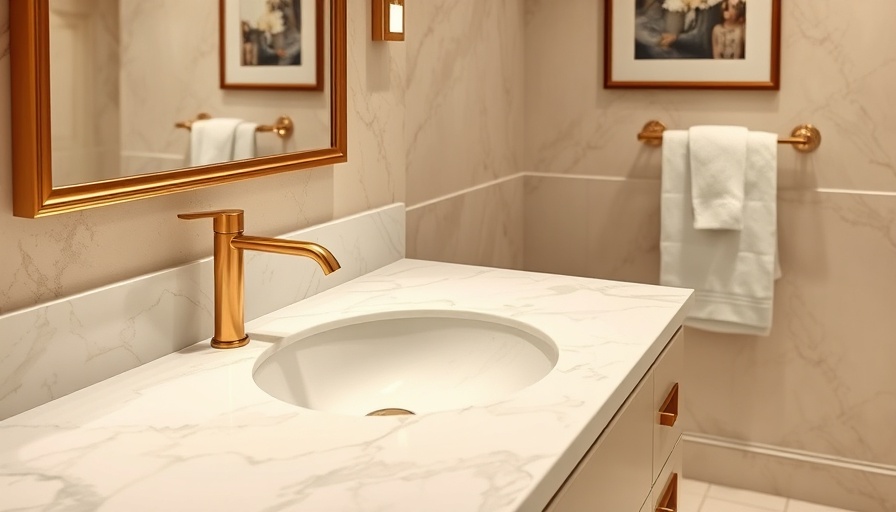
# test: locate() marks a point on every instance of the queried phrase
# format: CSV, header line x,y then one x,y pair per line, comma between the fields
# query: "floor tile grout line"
x,y
703,499
702,494
787,500
741,503
747,503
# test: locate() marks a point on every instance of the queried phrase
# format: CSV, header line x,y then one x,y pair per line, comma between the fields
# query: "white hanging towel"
x,y
244,140
718,157
731,271
211,140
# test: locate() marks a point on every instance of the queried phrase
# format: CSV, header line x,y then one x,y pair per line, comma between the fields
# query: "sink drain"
x,y
391,411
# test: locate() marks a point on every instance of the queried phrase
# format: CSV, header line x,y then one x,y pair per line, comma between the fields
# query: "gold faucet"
x,y
230,330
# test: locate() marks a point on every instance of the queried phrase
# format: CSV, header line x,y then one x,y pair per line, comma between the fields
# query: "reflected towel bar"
x,y
804,138
282,127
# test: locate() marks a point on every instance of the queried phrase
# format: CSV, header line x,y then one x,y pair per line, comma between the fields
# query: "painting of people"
x,y
697,29
271,32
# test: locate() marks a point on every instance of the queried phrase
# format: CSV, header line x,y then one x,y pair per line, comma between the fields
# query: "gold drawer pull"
x,y
669,410
669,503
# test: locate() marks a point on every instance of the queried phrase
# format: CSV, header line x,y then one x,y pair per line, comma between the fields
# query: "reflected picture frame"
x,y
271,44
692,44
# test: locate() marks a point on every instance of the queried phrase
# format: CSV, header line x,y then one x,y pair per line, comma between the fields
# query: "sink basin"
x,y
406,362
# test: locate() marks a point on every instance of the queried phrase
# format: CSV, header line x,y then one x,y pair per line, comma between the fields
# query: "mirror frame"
x,y
33,192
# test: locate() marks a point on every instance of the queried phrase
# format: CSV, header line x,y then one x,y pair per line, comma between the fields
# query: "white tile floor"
x,y
697,496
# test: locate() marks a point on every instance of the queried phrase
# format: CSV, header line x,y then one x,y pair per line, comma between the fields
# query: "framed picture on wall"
x,y
692,44
271,44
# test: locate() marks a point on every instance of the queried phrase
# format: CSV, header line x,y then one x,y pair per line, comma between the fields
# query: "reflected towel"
x,y
244,141
732,272
211,140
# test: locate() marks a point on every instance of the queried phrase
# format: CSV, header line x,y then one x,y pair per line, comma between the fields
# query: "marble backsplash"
x,y
53,349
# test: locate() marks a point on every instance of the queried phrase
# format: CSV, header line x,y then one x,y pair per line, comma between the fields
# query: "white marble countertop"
x,y
192,431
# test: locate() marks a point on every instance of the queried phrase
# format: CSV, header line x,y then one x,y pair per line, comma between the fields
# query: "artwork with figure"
x,y
271,32
690,29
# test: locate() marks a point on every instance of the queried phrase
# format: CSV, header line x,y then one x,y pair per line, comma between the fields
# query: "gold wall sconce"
x,y
388,20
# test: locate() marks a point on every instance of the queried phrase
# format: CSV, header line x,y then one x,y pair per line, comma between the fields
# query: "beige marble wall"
x,y
478,227
464,129
66,254
822,382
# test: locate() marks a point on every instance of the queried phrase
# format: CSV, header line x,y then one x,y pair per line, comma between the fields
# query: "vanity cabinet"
x,y
635,463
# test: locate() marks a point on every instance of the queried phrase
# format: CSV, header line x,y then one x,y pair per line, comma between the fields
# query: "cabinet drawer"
x,y
615,473
665,490
667,372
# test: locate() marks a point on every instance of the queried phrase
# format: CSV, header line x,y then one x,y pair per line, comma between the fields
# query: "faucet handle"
x,y
225,221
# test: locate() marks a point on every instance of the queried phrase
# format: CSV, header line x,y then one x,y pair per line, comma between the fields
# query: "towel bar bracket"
x,y
805,138
652,133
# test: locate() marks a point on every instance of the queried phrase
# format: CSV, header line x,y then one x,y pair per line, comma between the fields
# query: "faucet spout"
x,y
316,252
230,330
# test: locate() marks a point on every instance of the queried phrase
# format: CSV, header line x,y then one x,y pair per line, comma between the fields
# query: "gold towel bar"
x,y
282,127
804,138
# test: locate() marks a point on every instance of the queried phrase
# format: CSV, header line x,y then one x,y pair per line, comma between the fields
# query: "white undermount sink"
x,y
417,361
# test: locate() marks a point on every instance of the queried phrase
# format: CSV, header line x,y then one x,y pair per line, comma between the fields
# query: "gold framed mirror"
x,y
34,192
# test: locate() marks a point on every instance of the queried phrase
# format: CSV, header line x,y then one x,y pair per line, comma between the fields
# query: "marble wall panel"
x,y
464,95
479,227
593,227
376,121
833,75
822,381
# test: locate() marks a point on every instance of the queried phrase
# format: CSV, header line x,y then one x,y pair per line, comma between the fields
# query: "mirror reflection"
x,y
134,83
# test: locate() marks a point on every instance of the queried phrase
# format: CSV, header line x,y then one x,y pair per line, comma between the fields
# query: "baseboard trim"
x,y
840,482
791,454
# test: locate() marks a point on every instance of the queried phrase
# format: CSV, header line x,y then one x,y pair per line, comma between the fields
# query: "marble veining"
x,y
191,431
464,97
56,348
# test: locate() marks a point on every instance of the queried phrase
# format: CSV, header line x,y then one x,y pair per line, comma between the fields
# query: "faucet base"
x,y
216,343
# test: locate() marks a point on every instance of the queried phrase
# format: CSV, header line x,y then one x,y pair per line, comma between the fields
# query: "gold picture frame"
x,y
692,44
271,44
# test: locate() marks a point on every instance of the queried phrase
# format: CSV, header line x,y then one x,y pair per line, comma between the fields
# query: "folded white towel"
x,y
211,140
718,158
244,141
732,272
